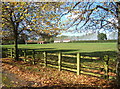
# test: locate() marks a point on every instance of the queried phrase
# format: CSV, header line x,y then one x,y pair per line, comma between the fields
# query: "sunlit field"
x,y
74,47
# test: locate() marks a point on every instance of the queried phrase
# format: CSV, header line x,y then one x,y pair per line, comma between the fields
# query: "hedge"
x,y
93,41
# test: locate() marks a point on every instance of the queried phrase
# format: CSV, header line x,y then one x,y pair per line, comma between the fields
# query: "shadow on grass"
x,y
58,50
100,53
37,48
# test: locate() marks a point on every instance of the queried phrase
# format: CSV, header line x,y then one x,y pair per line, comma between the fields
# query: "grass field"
x,y
74,47
96,48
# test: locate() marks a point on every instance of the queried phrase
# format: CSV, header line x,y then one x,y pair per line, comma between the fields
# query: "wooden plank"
x,y
52,66
73,64
70,69
84,57
62,55
87,57
41,63
93,74
42,59
68,55
59,60
96,68
51,60
78,64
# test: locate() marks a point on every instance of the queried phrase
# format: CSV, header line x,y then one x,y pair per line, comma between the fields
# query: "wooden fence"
x,y
60,63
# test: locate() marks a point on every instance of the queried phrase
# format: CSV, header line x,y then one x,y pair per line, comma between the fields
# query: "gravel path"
x,y
12,80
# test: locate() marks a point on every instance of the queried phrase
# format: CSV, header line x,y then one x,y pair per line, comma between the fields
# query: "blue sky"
x,y
80,31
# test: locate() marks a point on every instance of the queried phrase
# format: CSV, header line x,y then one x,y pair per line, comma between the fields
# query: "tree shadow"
x,y
60,50
100,53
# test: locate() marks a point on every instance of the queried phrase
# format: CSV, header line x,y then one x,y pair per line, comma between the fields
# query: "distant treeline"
x,y
93,41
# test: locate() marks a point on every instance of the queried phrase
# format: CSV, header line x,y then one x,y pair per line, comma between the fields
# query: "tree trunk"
x,y
118,58
16,43
16,47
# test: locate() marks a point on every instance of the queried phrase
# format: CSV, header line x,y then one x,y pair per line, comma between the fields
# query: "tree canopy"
x,y
102,36
25,17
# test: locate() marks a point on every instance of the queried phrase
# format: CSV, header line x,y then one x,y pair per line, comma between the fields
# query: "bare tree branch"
x,y
106,9
68,11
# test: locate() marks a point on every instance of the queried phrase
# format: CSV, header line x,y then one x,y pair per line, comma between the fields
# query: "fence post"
x,y
8,53
11,50
106,61
45,59
33,53
25,53
78,64
59,60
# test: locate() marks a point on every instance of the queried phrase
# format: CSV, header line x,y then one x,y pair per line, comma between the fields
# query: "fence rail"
x,y
61,64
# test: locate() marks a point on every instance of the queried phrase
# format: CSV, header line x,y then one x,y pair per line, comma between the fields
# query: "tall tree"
x,y
13,14
96,15
102,36
29,16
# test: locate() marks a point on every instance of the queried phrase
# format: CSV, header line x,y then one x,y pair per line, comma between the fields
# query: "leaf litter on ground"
x,y
40,76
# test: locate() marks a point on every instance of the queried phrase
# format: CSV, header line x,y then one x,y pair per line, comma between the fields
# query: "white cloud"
x,y
113,20
73,15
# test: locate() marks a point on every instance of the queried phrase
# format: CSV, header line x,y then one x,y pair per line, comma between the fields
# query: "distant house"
x,y
35,42
41,42
29,41
66,40
57,41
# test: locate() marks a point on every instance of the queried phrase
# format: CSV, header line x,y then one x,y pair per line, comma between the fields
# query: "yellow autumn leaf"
x,y
37,16
47,31
21,17
12,13
56,28
20,13
44,6
15,3
27,15
40,16
22,3
2,18
34,20
47,23
30,29
7,7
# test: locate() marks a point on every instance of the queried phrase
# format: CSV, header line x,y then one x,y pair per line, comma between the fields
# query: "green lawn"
x,y
76,47
92,48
